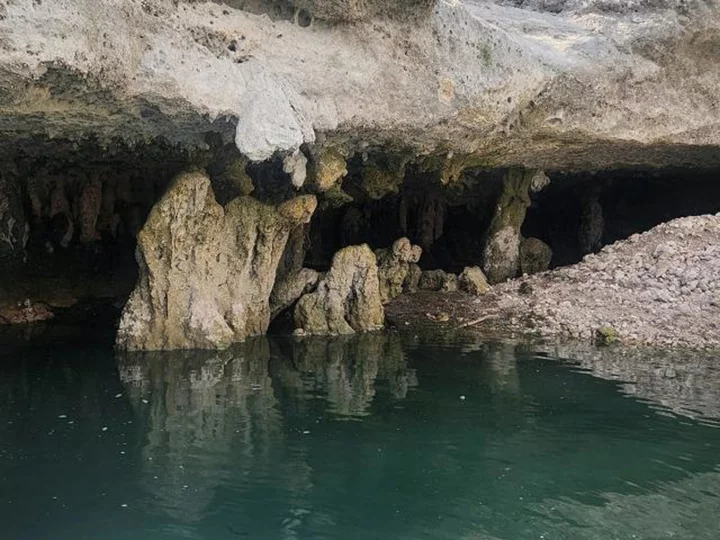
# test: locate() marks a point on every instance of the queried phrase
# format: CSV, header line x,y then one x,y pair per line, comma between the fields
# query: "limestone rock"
x,y
206,271
326,169
473,281
27,312
359,10
438,280
546,84
347,300
412,279
14,229
500,259
89,206
535,256
393,267
288,289
295,165
592,225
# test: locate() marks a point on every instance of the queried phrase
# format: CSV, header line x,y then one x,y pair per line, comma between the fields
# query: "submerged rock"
x,y
394,266
473,281
206,271
347,300
535,256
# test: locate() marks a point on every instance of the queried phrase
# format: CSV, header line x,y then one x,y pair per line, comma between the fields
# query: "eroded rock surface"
x,y
473,281
206,271
394,266
13,226
502,251
347,300
437,280
535,256
558,84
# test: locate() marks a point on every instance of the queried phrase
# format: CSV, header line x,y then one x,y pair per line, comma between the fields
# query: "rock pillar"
x,y
206,270
502,250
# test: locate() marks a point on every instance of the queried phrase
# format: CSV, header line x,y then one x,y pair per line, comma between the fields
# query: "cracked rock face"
x,y
206,271
347,300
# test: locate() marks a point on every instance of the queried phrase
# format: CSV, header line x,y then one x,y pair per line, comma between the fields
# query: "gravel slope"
x,y
661,287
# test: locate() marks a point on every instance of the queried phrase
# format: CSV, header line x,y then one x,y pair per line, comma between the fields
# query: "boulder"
x,y
473,281
535,256
288,289
393,267
347,300
437,280
206,271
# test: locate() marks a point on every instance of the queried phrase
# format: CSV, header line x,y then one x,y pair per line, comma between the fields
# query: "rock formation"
x,y
502,251
535,256
473,281
347,300
394,266
206,271
437,280
13,226
290,287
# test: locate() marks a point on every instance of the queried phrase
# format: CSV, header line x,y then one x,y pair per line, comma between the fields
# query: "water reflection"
x,y
212,419
374,436
685,382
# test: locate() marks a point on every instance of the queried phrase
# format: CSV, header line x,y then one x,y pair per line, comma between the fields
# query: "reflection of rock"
x,y
686,383
216,418
206,271
347,300
347,369
394,266
193,406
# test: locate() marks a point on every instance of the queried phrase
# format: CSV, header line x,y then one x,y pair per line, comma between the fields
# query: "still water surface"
x,y
376,437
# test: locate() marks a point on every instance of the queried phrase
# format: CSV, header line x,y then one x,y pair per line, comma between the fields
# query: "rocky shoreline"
x,y
660,288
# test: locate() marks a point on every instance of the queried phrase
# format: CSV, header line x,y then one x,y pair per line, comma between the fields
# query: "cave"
x,y
71,214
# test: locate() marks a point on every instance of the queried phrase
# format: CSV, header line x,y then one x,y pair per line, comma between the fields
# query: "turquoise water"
x,y
378,437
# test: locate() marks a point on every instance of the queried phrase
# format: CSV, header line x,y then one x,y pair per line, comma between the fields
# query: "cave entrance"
x,y
576,213
70,215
